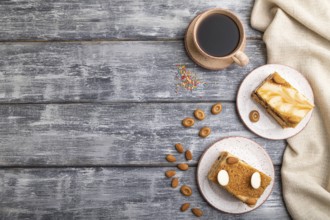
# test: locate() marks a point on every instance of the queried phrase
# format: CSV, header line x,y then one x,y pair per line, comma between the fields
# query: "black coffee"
x,y
218,35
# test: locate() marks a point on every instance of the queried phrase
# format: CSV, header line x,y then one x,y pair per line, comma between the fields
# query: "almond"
x,y
216,108
183,166
170,158
232,160
204,132
188,122
251,201
175,182
179,148
185,207
188,155
186,190
254,116
170,173
199,114
223,178
255,180
197,212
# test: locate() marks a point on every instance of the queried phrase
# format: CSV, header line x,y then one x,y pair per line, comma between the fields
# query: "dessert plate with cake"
x,y
235,175
275,101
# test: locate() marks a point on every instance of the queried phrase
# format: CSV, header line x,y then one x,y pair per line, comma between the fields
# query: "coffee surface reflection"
x,y
218,35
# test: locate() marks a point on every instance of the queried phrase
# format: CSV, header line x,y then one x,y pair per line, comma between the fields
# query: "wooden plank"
x,y
111,71
111,193
112,134
103,19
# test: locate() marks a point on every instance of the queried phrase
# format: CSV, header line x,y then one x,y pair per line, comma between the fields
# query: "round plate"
x,y
199,58
246,150
267,127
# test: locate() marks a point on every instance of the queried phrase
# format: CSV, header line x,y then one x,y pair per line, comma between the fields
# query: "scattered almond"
x,y
232,160
188,122
185,207
183,166
199,114
204,132
175,182
188,155
170,173
186,190
170,158
179,148
197,212
216,108
251,201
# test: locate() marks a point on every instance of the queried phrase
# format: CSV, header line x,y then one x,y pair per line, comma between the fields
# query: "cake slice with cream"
x,y
282,101
239,178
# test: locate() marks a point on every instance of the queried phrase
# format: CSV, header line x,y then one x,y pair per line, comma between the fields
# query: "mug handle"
x,y
240,58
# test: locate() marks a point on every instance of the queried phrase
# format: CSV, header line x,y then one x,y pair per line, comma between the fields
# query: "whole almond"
x,y
204,132
188,155
179,148
232,160
199,114
197,212
175,182
183,166
251,201
170,173
185,207
186,190
216,108
170,158
188,122
254,116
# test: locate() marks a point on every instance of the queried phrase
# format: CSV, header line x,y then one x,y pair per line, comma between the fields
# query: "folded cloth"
x,y
297,34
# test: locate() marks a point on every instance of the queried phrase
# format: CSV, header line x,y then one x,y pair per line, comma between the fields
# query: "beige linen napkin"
x,y
297,34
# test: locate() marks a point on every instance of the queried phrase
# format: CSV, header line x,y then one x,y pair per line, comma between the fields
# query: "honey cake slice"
x,y
282,101
240,174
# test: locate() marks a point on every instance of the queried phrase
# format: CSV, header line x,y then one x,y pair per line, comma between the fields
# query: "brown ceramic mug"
x,y
237,55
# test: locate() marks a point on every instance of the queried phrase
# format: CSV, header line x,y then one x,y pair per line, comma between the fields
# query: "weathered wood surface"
x,y
112,134
111,71
111,193
126,114
104,19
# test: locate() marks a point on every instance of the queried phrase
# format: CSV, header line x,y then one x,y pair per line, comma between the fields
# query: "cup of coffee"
x,y
218,35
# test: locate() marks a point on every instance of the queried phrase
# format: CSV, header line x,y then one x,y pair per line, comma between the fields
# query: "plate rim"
x,y
199,185
261,135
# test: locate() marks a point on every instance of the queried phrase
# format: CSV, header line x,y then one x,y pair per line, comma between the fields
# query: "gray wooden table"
x,y
89,109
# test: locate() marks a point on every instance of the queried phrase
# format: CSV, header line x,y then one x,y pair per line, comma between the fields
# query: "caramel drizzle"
x,y
286,97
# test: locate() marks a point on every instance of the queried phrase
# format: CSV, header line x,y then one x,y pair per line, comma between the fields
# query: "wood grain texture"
x,y
112,134
133,115
111,193
112,71
104,19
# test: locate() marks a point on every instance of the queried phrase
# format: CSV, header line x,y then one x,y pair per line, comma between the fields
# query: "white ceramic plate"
x,y
267,127
245,149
